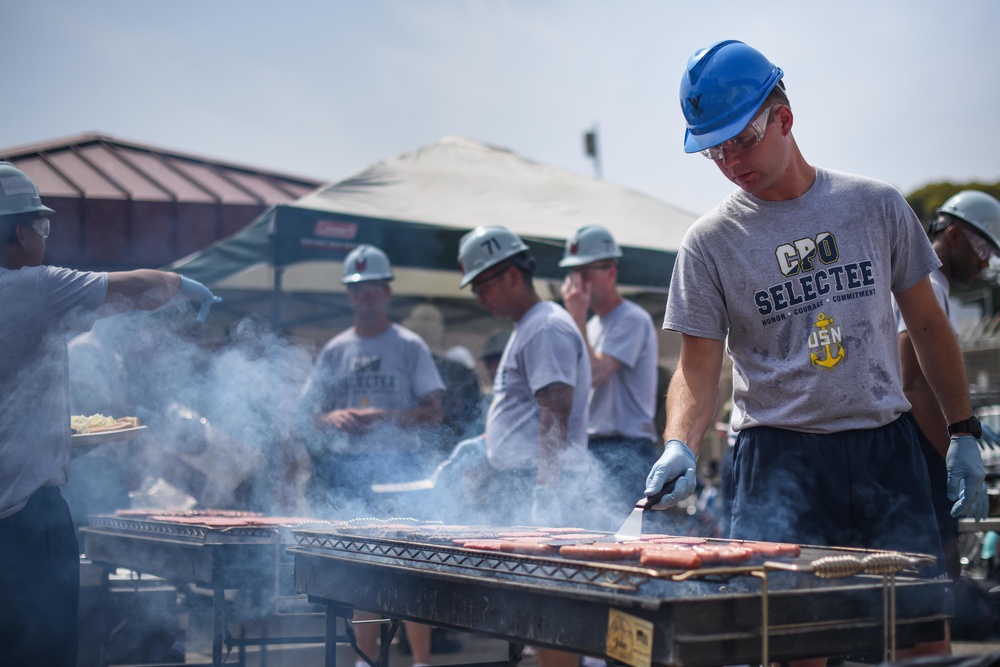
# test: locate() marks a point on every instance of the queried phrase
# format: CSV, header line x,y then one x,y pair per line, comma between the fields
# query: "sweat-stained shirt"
x,y
802,289
43,307
545,347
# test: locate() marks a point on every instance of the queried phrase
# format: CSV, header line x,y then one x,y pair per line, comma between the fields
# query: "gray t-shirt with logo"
x,y
802,289
392,371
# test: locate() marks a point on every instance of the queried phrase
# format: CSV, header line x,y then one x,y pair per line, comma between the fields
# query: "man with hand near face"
x,y
623,349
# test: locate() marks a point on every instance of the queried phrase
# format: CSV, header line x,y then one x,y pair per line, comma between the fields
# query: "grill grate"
x,y
616,577
184,530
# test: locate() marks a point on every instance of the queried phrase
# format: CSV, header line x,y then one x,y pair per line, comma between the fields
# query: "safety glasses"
x,y
745,140
478,286
983,248
367,286
40,225
595,267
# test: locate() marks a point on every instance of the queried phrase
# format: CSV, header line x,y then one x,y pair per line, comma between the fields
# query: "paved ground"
x,y
474,649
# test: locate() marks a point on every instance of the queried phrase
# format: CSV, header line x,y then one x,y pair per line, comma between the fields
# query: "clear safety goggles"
x,y
41,226
367,286
745,140
594,267
983,248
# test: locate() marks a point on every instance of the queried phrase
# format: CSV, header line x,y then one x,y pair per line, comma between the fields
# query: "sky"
x,y
906,91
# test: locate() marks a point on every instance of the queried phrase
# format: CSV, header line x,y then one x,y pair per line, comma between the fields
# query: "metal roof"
x,y
123,205
98,166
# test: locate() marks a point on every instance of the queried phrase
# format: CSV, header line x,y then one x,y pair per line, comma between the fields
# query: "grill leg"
x,y
514,652
242,651
388,632
218,625
330,649
104,601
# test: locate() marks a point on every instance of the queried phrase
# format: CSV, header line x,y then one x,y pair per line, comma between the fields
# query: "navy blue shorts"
x,y
866,488
937,471
39,583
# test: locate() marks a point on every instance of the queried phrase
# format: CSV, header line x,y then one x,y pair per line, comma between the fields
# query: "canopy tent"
x,y
416,207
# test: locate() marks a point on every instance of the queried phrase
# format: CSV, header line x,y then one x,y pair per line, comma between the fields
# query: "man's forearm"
x,y
923,403
694,391
555,403
142,289
937,350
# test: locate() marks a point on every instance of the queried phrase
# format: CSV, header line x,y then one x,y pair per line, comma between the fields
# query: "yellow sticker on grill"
x,y
630,639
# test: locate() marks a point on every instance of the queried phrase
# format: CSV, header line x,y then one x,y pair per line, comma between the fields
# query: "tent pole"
x,y
276,305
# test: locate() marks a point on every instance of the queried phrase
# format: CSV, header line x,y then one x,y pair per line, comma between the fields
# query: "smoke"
x,y
220,413
227,430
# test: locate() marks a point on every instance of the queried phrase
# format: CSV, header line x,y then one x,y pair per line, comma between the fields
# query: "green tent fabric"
x,y
416,207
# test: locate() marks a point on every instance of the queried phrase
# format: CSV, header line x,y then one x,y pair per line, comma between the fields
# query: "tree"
x,y
926,201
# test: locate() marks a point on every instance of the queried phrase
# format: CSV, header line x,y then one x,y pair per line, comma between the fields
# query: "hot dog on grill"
x,y
679,558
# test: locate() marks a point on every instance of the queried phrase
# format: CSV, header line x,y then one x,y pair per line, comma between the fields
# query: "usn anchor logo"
x,y
827,339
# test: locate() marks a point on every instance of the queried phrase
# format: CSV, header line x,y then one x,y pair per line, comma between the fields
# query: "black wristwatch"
x,y
970,425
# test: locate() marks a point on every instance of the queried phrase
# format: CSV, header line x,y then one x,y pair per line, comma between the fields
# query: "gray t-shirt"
x,y
42,308
802,290
392,371
545,347
625,404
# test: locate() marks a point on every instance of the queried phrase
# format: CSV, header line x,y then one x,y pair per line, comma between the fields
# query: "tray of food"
x,y
98,429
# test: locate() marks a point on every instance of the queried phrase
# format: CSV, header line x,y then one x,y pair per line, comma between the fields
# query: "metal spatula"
x,y
632,528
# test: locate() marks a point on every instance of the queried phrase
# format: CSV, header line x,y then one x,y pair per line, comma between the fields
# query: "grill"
x,y
240,552
826,601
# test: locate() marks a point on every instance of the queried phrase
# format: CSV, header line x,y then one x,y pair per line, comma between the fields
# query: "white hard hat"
x,y
484,247
364,263
979,209
18,194
589,244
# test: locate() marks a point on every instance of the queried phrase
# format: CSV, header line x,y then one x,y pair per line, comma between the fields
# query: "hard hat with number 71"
x,y
484,247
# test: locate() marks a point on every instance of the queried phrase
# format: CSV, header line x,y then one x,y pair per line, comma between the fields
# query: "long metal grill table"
x,y
247,556
711,616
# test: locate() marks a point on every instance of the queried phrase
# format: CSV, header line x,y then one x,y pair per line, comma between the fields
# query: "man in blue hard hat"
x,y
792,276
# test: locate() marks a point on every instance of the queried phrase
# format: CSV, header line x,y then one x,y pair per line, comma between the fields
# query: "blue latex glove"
x,y
467,457
675,466
990,439
965,473
195,290
980,508
468,454
546,509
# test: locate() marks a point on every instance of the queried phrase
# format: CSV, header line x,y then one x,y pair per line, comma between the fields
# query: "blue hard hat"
x,y
721,90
